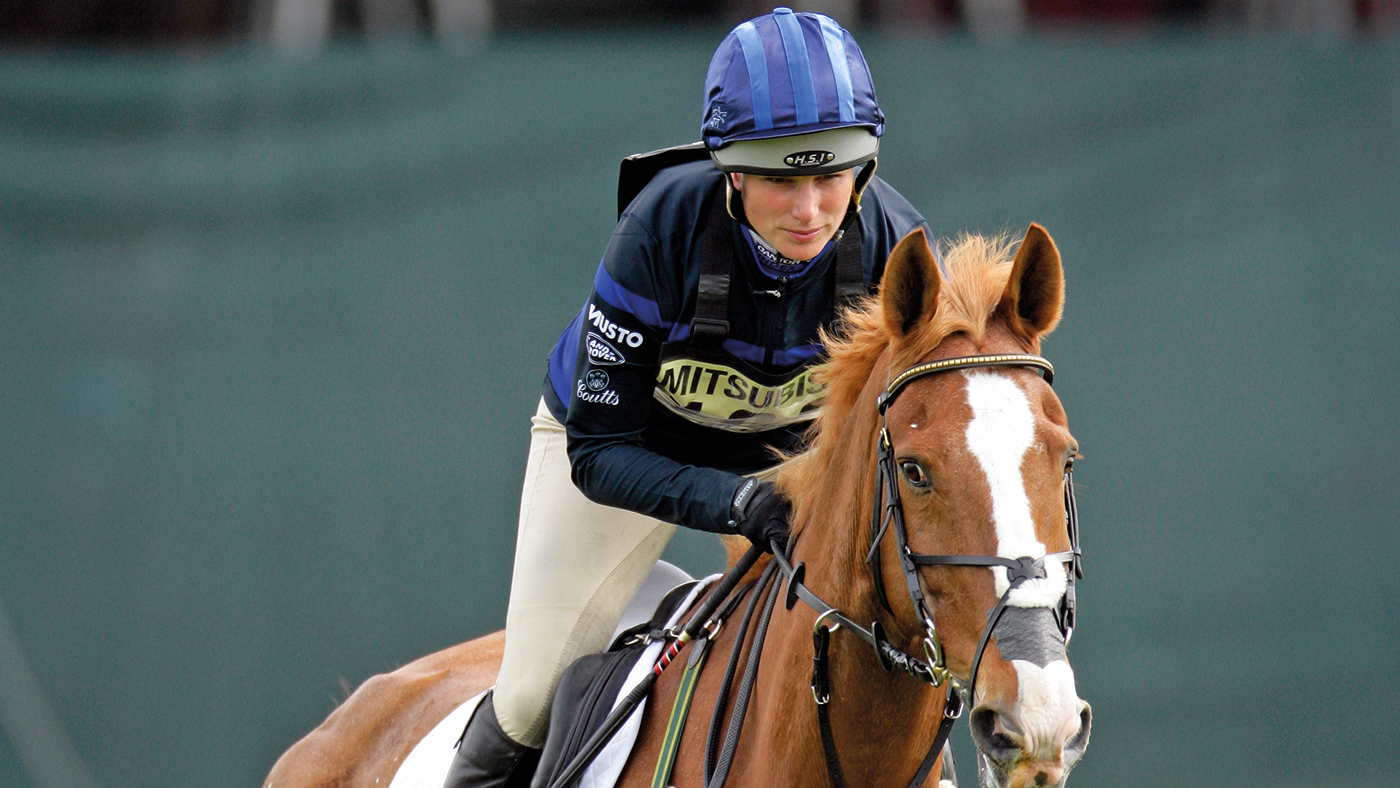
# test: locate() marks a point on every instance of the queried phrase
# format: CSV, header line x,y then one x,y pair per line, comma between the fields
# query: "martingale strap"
x,y
821,693
712,736
829,619
746,685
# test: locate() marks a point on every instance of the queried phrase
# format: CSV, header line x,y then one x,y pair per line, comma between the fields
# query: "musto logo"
x,y
601,352
612,330
718,396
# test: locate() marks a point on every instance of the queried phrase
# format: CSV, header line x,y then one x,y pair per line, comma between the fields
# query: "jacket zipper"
x,y
774,319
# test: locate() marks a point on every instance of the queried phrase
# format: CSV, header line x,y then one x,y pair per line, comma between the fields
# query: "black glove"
x,y
760,513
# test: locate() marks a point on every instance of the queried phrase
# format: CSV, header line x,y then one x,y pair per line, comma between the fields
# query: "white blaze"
x,y
1047,706
1002,430
1000,434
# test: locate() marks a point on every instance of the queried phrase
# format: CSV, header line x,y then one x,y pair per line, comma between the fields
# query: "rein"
x,y
933,669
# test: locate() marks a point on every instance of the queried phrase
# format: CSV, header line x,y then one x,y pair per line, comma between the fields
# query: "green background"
x,y
270,335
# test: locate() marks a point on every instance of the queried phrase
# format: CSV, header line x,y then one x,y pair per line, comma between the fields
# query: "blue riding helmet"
x,y
790,94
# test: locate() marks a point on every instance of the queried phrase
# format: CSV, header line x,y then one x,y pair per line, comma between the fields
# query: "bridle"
x,y
1018,570
888,514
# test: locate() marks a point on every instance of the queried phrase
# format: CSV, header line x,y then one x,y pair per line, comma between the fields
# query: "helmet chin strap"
x,y
867,171
734,201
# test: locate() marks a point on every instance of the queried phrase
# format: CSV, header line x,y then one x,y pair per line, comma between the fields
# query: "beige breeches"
x,y
577,565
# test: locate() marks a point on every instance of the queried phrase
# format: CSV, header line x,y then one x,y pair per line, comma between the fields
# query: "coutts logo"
x,y
601,352
809,158
585,391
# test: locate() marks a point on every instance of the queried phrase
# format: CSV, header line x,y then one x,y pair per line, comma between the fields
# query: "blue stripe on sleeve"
x,y
758,75
804,94
620,297
835,42
563,358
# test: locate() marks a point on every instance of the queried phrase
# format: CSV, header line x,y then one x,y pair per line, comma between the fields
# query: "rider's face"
x,y
798,214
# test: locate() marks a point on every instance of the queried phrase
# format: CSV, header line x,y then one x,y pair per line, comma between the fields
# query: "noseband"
x,y
887,512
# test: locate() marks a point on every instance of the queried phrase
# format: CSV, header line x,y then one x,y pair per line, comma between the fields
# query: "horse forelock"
x,y
841,442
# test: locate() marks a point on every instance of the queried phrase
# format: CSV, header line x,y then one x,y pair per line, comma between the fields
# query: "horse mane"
x,y
841,442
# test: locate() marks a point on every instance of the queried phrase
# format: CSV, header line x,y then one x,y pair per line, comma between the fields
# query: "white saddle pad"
x,y
427,764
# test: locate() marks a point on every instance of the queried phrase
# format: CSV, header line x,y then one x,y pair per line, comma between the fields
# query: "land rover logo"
x,y
809,158
596,380
601,352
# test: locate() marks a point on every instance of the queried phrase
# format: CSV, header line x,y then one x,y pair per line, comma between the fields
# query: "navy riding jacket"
x,y
658,426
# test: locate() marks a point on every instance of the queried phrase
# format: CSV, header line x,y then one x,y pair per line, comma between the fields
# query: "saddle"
x,y
592,685
595,719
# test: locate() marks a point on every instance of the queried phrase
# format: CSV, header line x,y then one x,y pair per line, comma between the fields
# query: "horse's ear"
x,y
909,290
1034,297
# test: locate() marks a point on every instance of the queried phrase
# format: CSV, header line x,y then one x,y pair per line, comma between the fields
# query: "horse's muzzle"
x,y
1021,753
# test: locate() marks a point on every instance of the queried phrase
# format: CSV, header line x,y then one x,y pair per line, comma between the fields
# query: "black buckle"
x,y
821,684
707,332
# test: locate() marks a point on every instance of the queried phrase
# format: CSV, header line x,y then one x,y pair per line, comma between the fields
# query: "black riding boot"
x,y
487,757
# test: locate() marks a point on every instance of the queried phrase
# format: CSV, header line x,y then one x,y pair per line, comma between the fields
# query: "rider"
x,y
691,357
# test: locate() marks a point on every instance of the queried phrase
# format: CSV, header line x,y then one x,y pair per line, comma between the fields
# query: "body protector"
x,y
691,361
774,399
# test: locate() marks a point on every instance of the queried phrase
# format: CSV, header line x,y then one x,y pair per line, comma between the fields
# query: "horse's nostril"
x,y
992,738
1080,740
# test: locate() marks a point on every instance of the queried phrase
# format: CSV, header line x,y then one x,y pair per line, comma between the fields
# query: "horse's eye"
x,y
913,473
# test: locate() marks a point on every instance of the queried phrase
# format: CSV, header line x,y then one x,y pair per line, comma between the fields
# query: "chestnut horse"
x,y
976,452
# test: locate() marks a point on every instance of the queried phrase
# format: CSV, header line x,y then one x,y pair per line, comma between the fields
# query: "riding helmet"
x,y
790,94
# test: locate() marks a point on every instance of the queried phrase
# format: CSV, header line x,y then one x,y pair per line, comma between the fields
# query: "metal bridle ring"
x,y
823,617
